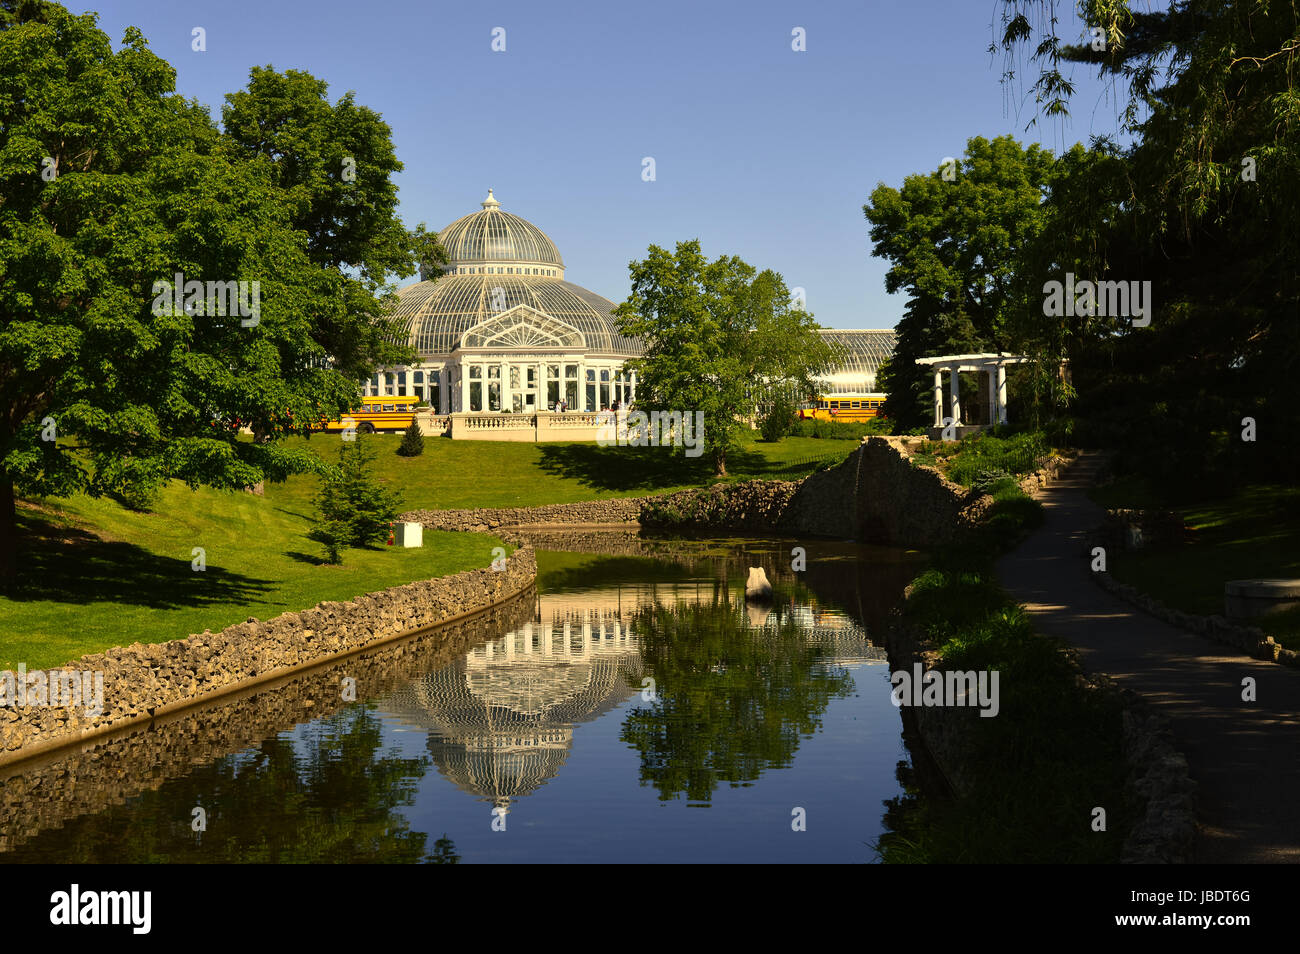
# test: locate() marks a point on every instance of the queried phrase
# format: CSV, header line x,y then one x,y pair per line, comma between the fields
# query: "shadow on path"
x,y
1244,756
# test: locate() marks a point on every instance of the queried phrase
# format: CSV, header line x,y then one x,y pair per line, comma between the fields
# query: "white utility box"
x,y
410,535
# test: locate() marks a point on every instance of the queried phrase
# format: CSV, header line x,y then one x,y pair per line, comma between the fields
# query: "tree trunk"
x,y
8,534
720,463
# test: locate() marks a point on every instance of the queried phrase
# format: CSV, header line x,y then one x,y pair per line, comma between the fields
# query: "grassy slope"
x,y
98,575
132,580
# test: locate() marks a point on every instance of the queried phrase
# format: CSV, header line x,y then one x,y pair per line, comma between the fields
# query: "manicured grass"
x,y
454,474
1254,533
95,574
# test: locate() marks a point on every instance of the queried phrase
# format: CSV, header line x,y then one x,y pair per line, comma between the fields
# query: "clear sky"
x,y
759,151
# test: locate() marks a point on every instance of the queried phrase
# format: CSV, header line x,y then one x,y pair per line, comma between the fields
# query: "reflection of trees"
x,y
328,798
731,701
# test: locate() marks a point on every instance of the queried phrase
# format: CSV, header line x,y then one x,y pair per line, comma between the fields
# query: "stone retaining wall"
x,y
1249,638
142,682
47,792
613,510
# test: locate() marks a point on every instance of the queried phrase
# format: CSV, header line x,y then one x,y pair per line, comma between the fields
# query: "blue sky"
x,y
759,151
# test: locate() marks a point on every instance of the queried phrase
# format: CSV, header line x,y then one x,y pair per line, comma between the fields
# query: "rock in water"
x,y
757,587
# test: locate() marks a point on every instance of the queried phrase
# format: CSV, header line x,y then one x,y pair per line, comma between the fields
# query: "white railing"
x,y
491,421
575,419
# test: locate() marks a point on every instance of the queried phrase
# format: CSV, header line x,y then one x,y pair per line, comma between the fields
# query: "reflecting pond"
x,y
633,708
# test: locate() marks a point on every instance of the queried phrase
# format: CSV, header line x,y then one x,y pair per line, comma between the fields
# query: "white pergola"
x,y
954,364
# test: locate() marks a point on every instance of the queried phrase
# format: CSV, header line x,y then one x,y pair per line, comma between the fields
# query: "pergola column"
x,y
1002,393
954,383
992,390
938,398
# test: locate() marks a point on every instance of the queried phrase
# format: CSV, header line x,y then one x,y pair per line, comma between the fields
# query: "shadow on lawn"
x,y
647,469
623,468
69,565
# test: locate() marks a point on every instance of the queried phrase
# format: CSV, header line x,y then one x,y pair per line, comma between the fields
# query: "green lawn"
x,y
96,574
454,474
1254,533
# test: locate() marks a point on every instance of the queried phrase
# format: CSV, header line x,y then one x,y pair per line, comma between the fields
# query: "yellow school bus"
x,y
380,413
842,407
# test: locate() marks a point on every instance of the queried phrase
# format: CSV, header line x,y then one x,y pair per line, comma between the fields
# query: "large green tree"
x,y
953,238
718,334
111,183
1203,204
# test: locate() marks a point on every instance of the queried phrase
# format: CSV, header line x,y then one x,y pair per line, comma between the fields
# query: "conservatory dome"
x,y
503,287
493,237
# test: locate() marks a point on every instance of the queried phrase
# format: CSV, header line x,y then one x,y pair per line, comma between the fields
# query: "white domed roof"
x,y
493,237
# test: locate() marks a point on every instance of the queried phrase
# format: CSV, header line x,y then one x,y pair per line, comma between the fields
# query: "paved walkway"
x,y
1245,757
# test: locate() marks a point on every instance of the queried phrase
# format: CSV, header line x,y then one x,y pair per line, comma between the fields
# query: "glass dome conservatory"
x,y
501,330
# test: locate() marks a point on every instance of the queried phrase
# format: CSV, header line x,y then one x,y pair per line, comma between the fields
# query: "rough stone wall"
x,y
751,505
906,504
81,780
142,681
614,510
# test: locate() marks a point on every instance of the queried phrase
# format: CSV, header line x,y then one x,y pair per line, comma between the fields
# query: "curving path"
x,y
1245,757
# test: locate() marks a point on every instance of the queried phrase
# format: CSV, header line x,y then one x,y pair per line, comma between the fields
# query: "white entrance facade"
x,y
501,332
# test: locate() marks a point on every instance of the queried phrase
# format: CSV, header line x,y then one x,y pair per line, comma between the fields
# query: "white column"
x,y
633,397
582,386
505,386
938,397
993,394
464,387
955,386
444,395
1002,393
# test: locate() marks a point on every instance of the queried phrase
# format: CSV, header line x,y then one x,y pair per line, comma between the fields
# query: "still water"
x,y
633,708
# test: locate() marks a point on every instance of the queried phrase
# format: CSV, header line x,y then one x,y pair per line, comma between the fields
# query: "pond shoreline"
x,y
146,682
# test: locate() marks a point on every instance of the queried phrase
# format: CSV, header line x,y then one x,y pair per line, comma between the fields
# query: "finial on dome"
x,y
489,202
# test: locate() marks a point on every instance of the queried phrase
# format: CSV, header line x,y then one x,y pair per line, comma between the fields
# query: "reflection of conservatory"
x,y
501,330
500,719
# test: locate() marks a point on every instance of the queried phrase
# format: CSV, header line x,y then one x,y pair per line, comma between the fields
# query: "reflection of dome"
x,y
497,261
500,719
